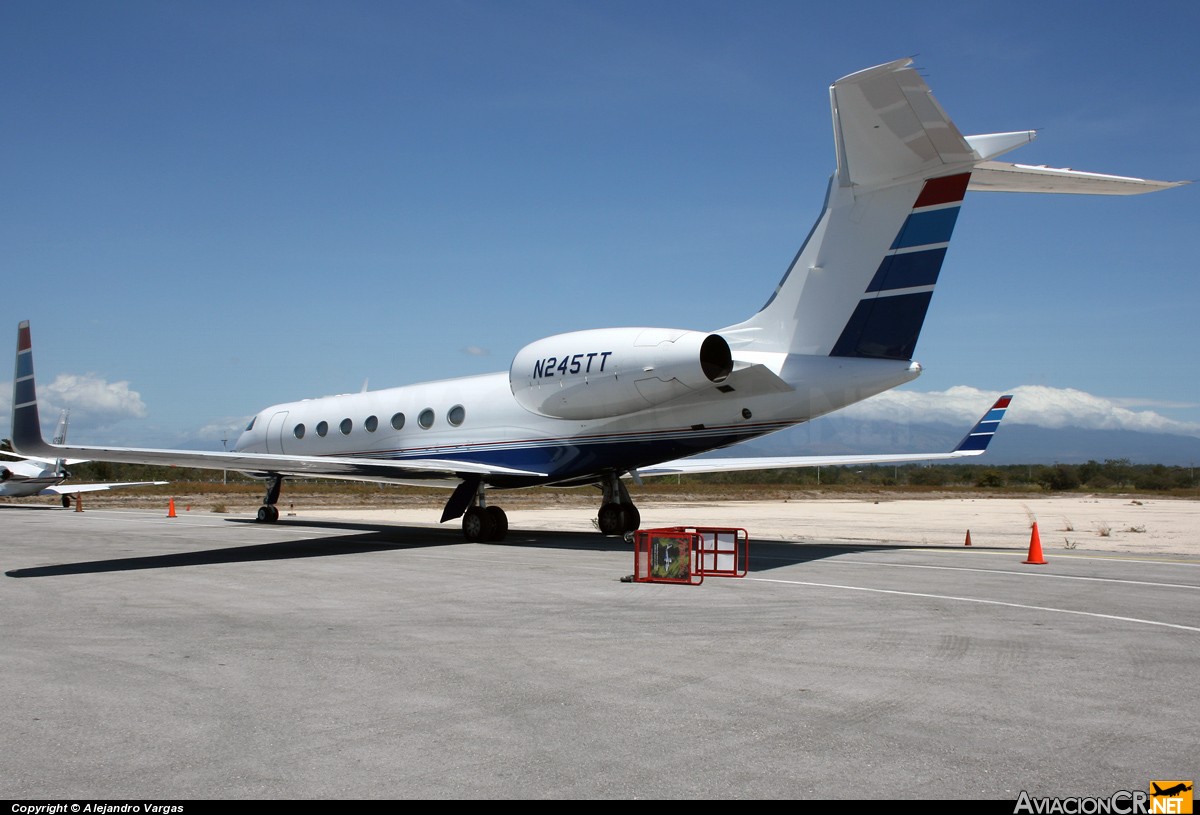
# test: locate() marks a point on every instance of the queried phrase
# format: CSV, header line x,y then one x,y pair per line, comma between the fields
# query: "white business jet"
x,y
594,407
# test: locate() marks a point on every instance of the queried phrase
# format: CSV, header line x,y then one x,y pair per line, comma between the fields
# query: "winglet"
x,y
26,427
981,434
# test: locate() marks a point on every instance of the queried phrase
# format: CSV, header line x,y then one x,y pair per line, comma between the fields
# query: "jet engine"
x,y
613,371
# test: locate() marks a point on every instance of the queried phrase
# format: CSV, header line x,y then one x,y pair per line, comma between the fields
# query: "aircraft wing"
x,y
71,489
27,441
356,468
972,444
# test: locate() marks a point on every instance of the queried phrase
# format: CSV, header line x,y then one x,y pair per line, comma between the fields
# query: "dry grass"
x,y
245,497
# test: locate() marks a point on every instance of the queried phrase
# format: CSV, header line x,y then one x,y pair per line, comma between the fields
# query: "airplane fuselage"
x,y
478,419
21,479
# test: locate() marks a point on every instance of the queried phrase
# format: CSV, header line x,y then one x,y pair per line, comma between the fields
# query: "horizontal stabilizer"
x,y
998,176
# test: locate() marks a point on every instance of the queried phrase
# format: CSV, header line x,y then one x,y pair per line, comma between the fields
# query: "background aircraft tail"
x,y
60,437
862,282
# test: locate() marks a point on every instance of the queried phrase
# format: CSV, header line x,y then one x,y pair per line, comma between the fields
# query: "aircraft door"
x,y
275,432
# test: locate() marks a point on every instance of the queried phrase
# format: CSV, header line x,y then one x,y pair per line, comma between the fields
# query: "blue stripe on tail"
x,y
887,320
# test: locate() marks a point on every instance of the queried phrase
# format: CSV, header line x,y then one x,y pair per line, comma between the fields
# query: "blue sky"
x,y
211,207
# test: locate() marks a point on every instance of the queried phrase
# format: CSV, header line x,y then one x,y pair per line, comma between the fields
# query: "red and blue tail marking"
x,y
888,318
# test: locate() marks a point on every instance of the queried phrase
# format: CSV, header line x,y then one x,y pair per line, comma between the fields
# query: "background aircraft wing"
x,y
972,444
71,489
48,462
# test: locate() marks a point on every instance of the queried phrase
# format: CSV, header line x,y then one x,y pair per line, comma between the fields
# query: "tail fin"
x,y
26,426
862,282
26,429
60,437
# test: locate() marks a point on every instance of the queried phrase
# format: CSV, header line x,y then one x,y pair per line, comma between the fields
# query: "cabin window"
x,y
456,415
346,426
298,431
251,425
398,421
425,420
322,428
371,424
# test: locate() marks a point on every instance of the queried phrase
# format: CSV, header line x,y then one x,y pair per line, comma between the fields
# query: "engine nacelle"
x,y
613,371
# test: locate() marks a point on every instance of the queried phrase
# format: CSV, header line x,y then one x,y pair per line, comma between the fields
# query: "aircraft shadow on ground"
x,y
766,555
359,538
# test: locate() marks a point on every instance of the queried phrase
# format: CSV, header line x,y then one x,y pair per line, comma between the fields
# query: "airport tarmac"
x,y
349,654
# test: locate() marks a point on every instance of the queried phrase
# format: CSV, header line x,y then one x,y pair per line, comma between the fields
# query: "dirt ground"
x,y
1126,523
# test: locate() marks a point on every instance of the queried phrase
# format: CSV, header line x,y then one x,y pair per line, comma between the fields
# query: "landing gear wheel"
x,y
478,525
267,514
66,502
633,518
499,523
611,519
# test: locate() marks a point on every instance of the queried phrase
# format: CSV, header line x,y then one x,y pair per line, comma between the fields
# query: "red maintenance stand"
x,y
686,554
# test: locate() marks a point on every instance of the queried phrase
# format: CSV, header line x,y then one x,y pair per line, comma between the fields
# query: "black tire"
x,y
267,514
499,523
611,519
66,502
477,525
632,519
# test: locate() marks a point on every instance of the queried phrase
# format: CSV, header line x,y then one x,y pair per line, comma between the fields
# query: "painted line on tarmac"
x,y
1191,628
1020,574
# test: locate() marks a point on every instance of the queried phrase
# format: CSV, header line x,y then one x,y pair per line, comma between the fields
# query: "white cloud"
x,y
219,434
93,402
1032,404
476,351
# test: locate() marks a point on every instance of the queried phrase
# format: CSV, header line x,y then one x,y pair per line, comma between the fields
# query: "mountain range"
x,y
1013,443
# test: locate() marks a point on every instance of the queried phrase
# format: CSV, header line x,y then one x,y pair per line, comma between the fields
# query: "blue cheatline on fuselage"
x,y
570,459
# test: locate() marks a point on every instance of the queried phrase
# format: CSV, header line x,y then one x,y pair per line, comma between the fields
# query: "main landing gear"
x,y
482,522
617,515
268,513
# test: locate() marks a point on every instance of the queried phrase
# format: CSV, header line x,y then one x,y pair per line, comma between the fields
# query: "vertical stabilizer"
x,y
60,437
862,282
26,427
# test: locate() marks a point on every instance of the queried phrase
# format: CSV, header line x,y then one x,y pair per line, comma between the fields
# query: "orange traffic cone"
x,y
171,509
79,502
1035,548
968,543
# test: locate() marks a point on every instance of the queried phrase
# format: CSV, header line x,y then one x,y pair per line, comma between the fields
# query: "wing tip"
x,y
980,436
